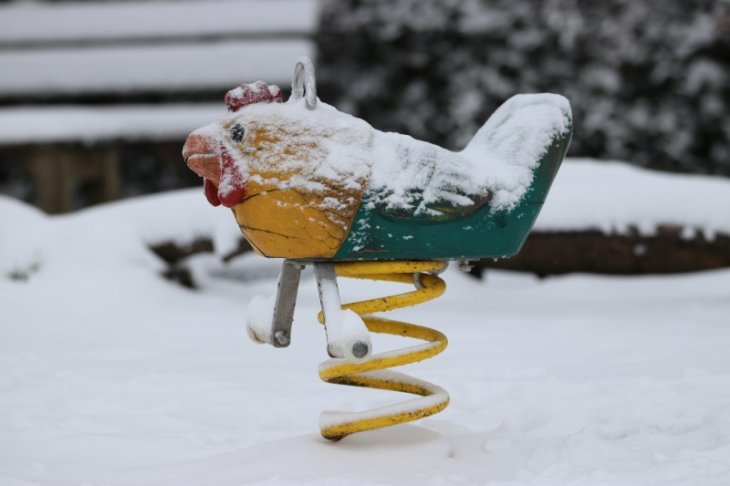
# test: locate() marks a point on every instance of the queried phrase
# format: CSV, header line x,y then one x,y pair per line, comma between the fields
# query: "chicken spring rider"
x,y
316,186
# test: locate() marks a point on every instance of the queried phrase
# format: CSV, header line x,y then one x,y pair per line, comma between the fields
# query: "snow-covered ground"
x,y
616,197
111,375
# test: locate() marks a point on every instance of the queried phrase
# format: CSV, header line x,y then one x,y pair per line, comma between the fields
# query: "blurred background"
x,y
96,97
601,357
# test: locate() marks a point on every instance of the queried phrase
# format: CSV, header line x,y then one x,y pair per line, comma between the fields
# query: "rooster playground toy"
x,y
318,187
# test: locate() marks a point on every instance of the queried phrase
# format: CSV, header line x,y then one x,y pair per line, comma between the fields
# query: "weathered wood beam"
x,y
592,251
59,169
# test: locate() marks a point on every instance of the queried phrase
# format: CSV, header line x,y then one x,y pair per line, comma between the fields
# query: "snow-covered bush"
x,y
649,81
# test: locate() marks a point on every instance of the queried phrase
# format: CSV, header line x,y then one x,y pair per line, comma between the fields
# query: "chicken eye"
x,y
237,132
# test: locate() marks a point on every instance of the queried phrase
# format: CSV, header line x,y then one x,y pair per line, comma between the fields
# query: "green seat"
x,y
377,234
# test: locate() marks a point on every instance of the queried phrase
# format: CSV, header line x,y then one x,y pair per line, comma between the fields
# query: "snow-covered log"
x,y
592,251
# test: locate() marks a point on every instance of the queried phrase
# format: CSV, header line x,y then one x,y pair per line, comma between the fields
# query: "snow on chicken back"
x,y
319,166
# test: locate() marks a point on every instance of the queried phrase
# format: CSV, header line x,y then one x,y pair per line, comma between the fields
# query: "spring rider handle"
x,y
286,297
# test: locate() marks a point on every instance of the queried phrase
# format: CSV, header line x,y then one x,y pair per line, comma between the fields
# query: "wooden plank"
x,y
555,253
44,25
91,125
59,170
163,68
111,178
51,170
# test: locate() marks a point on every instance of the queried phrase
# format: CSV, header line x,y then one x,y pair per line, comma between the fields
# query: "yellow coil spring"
x,y
368,373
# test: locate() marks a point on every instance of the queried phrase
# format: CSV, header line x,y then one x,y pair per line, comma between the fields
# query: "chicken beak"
x,y
203,158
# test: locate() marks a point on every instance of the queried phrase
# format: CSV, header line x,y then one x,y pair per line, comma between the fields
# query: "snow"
x,y
260,319
92,124
500,159
615,197
340,154
505,151
404,173
344,327
110,374
30,237
20,253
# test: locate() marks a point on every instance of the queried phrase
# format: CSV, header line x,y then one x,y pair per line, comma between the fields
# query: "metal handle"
x,y
304,82
286,299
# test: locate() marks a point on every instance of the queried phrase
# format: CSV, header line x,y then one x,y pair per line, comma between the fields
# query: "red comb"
x,y
246,94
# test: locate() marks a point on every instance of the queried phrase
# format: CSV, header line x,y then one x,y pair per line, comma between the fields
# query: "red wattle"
x,y
232,198
234,178
211,193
